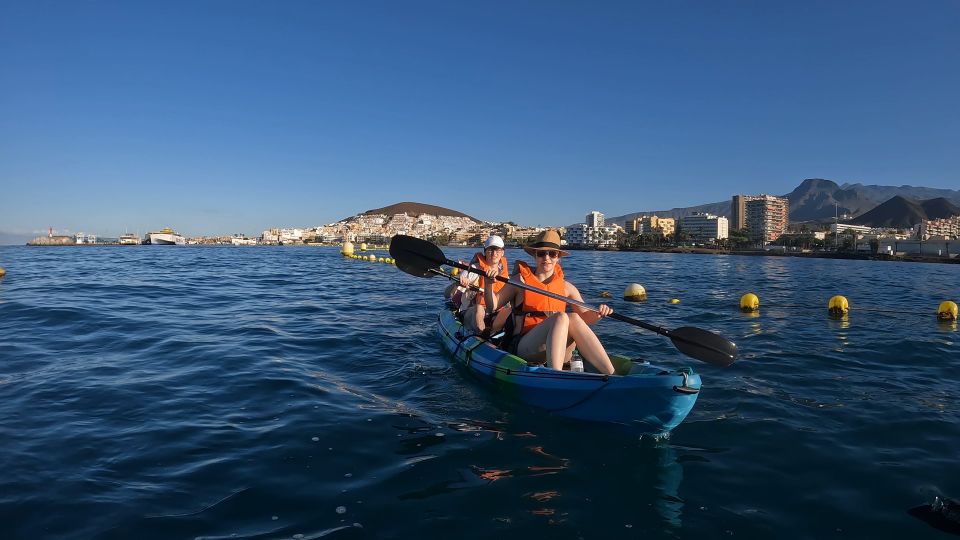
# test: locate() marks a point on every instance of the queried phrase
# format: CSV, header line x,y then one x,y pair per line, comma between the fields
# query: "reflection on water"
x,y
527,467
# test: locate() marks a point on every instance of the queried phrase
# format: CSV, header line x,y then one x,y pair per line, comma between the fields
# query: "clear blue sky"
x,y
220,117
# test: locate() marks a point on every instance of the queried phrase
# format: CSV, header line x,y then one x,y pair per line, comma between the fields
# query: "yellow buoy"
x,y
347,249
2,272
635,293
946,312
380,259
838,306
749,302
363,246
674,300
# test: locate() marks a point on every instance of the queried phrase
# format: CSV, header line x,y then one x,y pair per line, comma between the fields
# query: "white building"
x,y
584,235
82,238
594,219
576,235
705,226
847,228
291,236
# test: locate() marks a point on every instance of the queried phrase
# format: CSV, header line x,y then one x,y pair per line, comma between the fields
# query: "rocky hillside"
x,y
819,199
415,209
902,213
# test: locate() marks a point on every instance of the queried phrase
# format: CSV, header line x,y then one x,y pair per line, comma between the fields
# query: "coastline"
x,y
809,255
679,250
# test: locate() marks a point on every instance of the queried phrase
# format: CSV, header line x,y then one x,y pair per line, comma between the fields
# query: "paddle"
x,y
451,278
420,258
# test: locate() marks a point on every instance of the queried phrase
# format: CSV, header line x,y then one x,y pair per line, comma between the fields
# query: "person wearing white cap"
x,y
475,317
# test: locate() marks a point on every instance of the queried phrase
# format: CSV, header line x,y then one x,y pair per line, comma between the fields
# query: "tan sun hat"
x,y
549,239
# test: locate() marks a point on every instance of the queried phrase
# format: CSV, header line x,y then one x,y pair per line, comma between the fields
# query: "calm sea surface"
x,y
223,392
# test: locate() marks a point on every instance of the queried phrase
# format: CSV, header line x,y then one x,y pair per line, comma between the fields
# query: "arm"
x,y
588,316
501,298
468,278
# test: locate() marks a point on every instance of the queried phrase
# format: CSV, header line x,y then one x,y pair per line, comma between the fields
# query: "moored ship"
x,y
164,237
128,239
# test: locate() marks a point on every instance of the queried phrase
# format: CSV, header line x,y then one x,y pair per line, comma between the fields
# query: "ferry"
x,y
164,237
128,239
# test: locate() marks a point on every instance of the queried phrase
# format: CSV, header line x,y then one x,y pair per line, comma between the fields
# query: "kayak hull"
x,y
640,396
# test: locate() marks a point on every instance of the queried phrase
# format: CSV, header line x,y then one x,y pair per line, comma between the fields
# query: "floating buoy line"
x,y
347,250
838,307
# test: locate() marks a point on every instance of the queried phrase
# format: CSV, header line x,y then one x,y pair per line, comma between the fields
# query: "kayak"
x,y
639,395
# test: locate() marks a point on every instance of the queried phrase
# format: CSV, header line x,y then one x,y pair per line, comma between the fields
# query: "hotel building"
x,y
705,226
764,216
946,228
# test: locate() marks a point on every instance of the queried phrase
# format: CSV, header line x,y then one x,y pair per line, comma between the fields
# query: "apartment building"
x,y
594,219
764,216
704,226
651,225
584,235
946,228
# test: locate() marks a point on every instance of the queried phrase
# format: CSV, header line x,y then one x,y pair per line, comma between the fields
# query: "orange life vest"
x,y
537,307
481,262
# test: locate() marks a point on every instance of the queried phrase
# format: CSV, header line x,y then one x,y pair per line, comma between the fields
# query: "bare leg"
x,y
547,341
473,318
478,313
500,319
588,343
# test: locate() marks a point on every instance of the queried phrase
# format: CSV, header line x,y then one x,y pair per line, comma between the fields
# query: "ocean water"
x,y
232,392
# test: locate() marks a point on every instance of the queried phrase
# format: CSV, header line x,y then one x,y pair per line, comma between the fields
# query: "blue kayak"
x,y
640,396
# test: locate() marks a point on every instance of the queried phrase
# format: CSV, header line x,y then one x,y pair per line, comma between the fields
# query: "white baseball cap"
x,y
493,241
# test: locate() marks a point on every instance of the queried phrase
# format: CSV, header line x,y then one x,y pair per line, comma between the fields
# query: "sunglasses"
x,y
553,254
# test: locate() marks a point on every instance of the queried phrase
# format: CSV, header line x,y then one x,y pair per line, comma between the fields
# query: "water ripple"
x,y
293,393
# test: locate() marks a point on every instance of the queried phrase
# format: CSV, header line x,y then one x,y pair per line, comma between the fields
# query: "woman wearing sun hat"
x,y
546,332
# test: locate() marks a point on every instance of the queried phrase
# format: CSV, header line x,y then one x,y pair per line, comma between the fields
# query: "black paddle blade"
x,y
704,345
943,514
415,256
416,271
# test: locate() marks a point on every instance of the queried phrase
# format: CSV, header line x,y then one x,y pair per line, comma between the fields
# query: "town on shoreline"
x,y
759,225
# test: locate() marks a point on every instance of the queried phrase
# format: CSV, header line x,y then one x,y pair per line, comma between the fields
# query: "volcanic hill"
x,y
415,209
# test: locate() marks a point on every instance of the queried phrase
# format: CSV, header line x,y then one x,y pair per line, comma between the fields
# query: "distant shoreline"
x,y
679,250
809,255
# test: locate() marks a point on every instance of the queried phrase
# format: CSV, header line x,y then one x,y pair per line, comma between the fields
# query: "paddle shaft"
x,y
451,278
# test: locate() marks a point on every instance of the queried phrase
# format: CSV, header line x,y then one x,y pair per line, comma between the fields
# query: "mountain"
x,y
819,199
816,199
415,209
902,213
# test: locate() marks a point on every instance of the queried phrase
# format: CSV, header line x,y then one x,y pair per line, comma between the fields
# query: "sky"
x,y
223,117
